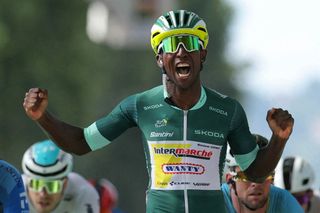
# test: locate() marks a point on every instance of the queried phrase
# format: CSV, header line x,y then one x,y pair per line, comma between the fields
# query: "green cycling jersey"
x,y
185,149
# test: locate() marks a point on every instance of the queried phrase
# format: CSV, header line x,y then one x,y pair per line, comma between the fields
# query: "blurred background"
x,y
91,54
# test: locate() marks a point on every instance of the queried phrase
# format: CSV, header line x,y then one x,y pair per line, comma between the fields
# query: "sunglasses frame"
x,y
200,44
44,185
241,176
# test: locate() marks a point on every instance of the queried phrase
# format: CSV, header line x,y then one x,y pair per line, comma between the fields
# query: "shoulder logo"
x,y
208,133
155,106
219,111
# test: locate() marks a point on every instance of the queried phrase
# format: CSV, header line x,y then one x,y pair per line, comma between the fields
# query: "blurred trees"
x,y
44,44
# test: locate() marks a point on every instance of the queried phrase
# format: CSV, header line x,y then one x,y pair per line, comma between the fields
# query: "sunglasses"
x,y
51,186
171,44
242,177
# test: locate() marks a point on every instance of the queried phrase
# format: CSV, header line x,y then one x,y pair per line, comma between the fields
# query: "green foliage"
x,y
44,44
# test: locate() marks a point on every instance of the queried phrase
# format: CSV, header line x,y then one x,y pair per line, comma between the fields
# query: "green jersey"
x,y
185,149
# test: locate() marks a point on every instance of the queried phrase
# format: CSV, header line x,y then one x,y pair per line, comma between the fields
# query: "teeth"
x,y
183,69
183,75
182,65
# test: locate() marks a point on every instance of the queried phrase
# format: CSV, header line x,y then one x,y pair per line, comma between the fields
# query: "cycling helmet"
x,y
260,140
46,161
176,23
107,192
294,174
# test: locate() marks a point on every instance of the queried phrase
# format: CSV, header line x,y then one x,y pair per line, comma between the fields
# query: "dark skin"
x,y
184,85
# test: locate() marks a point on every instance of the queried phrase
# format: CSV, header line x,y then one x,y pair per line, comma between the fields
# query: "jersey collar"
x,y
199,104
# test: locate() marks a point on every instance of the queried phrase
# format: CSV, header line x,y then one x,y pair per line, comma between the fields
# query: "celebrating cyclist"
x,y
242,195
12,193
51,186
185,125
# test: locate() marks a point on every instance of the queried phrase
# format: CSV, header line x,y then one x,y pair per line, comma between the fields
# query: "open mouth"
x,y
183,70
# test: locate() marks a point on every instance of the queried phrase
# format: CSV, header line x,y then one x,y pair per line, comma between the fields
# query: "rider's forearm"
x,y
266,160
67,137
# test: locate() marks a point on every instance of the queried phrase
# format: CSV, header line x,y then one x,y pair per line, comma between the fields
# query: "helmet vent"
x,y
48,174
287,172
202,29
169,21
305,181
155,34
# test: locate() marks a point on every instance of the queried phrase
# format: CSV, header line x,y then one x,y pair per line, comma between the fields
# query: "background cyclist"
x,y
51,186
108,195
12,193
176,115
296,175
242,195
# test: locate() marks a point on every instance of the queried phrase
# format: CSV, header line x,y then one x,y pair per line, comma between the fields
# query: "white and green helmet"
x,y
45,160
179,22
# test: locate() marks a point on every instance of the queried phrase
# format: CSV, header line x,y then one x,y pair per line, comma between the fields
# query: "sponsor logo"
x,y
161,134
155,106
173,183
180,152
161,123
162,183
208,133
183,168
12,173
201,184
220,111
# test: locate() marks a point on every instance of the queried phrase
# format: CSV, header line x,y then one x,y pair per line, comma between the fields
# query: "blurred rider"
x,y
12,193
51,186
296,175
245,196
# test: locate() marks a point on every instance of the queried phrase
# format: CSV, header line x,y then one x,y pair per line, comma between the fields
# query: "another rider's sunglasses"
x,y
241,176
171,44
51,186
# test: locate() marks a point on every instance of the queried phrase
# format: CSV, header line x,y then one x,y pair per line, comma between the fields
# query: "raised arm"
x,y
68,137
281,124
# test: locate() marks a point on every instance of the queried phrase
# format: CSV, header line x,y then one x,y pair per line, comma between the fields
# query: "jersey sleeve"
x,y
85,198
227,198
103,131
283,201
240,139
17,201
12,191
88,201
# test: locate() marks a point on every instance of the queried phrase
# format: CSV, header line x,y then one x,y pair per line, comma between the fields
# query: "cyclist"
x,y
185,125
296,175
50,184
242,195
108,195
12,192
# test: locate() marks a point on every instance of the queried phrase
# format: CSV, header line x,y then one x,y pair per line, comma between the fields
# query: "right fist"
x,y
35,102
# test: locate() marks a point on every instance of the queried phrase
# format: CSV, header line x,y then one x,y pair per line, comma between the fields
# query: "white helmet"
x,y
294,174
44,160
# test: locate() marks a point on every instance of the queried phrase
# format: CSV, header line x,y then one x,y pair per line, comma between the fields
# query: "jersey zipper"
x,y
185,127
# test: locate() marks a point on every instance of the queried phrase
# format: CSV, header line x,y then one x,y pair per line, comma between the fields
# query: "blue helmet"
x,y
46,160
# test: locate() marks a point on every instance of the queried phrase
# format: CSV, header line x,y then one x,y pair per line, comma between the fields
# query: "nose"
x,y
181,50
43,192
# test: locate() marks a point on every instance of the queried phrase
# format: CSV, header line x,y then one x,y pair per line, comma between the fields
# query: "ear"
x,y
159,60
228,177
203,55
